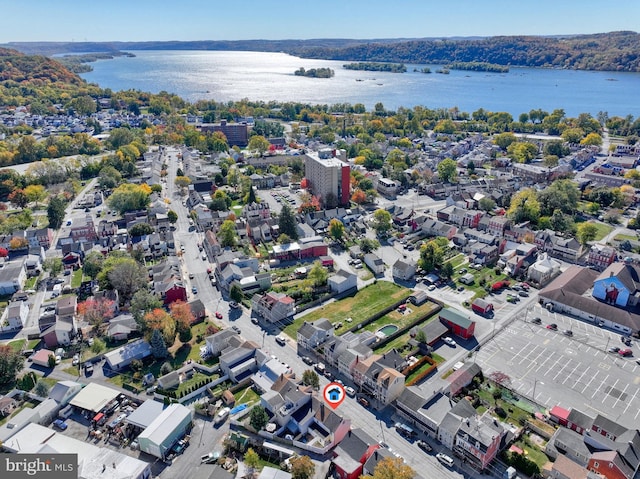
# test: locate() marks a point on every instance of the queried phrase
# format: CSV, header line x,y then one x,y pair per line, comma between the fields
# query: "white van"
x,y
444,459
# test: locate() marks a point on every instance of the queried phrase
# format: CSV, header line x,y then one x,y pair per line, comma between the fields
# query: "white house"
x,y
375,264
311,335
343,281
12,276
273,306
14,316
403,270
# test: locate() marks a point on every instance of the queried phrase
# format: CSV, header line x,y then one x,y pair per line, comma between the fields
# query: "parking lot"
x,y
575,371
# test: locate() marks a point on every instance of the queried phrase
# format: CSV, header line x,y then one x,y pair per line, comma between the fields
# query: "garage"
x,y
94,397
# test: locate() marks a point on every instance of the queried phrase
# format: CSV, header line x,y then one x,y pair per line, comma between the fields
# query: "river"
x,y
230,75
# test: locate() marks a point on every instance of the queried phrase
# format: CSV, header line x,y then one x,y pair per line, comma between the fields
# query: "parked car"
x,y
424,445
307,360
236,329
444,459
60,424
625,352
451,342
552,326
281,340
350,391
88,369
218,315
194,290
614,349
76,359
234,305
363,402
254,320
536,320
523,294
567,332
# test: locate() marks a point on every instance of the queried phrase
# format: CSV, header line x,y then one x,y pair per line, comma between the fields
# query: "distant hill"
x,y
34,69
615,51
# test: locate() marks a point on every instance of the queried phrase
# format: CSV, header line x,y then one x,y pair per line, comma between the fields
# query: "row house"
x,y
273,307
84,230
256,211
473,234
312,335
355,449
601,256
567,249
42,237
262,229
478,440
378,379
483,254
461,217
498,225
438,228
266,181
240,362
107,228
462,200
532,173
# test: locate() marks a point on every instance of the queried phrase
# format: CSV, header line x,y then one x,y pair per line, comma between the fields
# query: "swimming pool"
x,y
388,330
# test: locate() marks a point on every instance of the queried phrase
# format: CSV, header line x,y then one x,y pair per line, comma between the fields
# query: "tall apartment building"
x,y
327,174
236,133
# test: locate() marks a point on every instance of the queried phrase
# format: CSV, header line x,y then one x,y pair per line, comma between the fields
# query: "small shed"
x,y
41,358
482,306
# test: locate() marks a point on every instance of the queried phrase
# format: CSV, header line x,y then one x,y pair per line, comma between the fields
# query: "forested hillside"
x,y
33,69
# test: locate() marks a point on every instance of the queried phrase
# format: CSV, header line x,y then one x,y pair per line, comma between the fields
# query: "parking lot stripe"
x,y
631,401
535,361
545,360
598,388
615,404
589,383
580,378
561,369
571,373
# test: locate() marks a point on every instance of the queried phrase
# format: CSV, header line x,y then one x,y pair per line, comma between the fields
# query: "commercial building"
x,y
236,133
328,176
171,425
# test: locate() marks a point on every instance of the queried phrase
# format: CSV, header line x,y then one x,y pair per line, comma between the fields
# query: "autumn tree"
x,y
159,319
431,256
251,460
503,140
142,302
592,139
182,182
259,143
391,468
35,193
184,318
381,221
447,170
359,196
318,274
522,151
129,197
336,229
302,467
18,242
11,362
18,198
97,311
309,206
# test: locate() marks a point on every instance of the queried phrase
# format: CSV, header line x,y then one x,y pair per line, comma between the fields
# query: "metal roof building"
x,y
94,397
165,430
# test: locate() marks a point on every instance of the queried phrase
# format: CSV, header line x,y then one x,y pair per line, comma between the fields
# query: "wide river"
x,y
225,75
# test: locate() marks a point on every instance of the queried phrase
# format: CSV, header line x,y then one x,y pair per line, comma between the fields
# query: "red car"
x,y
625,352
218,315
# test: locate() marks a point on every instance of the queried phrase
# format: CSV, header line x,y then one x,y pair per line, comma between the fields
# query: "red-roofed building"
x,y
559,415
41,358
273,307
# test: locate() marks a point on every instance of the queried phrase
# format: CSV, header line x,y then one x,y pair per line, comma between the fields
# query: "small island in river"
x,y
315,72
376,67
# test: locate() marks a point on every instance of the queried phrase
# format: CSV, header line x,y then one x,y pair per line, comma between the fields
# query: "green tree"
x,y
287,223
109,177
447,270
236,293
55,212
310,378
367,245
129,197
587,232
381,221
142,302
561,222
302,467
522,152
92,265
11,363
227,234
503,140
182,182
172,216
258,418
251,460
421,337
250,197
573,135
41,389
141,229
125,275
556,148
560,195
431,256
487,204
158,346
336,229
524,206
318,274
447,170
98,346
53,266
259,143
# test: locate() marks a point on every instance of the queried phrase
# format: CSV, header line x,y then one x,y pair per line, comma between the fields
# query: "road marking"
x,y
631,401
580,378
543,362
604,366
598,388
590,381
561,369
615,404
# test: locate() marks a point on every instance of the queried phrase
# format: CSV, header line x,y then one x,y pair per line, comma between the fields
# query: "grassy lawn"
x,y
622,237
76,279
18,344
457,261
263,462
532,452
246,395
359,307
418,371
603,230
31,282
33,343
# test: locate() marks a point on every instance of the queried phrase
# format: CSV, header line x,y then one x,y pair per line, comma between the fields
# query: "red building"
x,y
559,415
352,452
174,291
457,322
481,306
610,464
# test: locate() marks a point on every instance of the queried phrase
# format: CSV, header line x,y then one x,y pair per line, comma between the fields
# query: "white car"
x,y
444,459
350,391
449,341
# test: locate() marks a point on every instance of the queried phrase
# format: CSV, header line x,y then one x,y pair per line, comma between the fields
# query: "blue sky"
x,y
140,20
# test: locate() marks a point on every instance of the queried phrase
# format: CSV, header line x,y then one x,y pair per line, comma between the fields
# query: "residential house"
x,y
14,316
543,271
352,453
478,439
567,249
12,276
439,228
375,264
312,335
461,217
342,281
198,310
122,357
217,342
42,237
378,379
403,270
84,230
273,307
450,423
121,327
498,225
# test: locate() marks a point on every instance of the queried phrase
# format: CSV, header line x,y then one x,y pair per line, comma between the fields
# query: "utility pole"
x,y
382,431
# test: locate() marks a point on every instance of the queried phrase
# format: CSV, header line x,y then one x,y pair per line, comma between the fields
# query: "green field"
x,y
364,304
